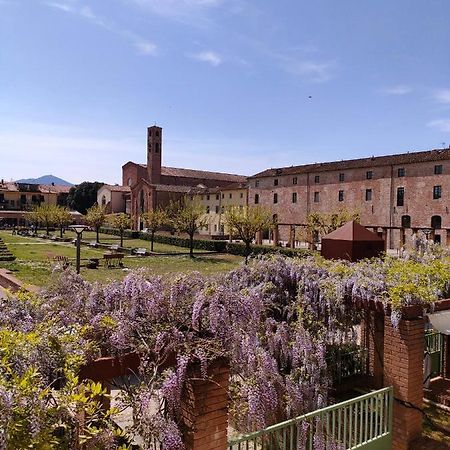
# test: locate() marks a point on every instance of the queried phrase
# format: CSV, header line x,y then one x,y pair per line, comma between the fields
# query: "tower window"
x,y
368,195
317,179
223,195
242,195
341,196
341,177
400,196
156,147
437,192
294,197
316,197
294,180
207,209
438,169
275,182
231,195
217,196
256,199
401,172
207,197
369,175
217,209
256,183
275,198
157,133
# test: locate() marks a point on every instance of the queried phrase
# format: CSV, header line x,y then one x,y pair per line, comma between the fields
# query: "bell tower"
x,y
154,151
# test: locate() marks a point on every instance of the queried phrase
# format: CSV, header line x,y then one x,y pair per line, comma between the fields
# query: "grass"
x,y
35,259
442,419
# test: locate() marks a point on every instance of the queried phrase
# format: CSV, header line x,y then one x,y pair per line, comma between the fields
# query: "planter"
x,y
107,368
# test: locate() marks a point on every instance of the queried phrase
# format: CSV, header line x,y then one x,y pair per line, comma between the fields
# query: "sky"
x,y
237,85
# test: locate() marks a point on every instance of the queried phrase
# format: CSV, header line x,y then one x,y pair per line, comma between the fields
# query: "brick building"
x,y
409,191
152,185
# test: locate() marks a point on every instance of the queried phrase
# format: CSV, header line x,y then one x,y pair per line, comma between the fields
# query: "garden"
x,y
275,324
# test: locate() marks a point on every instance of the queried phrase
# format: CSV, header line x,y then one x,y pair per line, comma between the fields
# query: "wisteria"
x,y
275,321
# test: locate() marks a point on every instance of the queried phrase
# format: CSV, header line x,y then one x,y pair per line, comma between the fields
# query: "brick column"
x,y
384,235
205,409
276,235
403,369
372,332
259,238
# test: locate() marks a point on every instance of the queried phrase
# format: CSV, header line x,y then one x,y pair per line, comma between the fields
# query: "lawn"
x,y
35,259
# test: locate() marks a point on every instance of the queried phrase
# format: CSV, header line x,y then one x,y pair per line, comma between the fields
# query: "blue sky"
x,y
237,85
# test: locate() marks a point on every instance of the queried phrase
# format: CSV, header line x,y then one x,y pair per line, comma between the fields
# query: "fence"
x,y
434,345
363,422
346,364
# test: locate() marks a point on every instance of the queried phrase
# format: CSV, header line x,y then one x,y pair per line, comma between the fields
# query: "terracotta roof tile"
x,y
402,158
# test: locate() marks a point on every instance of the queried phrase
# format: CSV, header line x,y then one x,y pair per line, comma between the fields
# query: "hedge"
x,y
210,245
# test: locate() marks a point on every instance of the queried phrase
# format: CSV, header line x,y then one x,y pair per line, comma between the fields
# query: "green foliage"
x,y
155,221
83,196
95,217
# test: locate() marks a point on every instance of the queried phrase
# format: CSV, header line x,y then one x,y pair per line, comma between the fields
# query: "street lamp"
x,y
79,230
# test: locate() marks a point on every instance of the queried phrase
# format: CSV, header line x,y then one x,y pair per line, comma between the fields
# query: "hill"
x,y
46,179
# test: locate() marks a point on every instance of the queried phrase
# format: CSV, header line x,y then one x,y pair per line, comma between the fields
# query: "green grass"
x,y
35,259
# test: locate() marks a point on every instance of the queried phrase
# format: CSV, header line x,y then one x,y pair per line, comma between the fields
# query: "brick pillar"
x,y
259,238
402,238
384,235
372,332
276,235
403,369
205,409
291,242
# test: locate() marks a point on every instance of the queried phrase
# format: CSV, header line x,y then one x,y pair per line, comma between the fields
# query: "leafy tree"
x,y
187,217
320,224
154,221
121,222
83,196
62,218
95,217
244,223
45,215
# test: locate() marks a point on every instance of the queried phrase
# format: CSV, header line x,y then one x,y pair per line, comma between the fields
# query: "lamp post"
x,y
79,230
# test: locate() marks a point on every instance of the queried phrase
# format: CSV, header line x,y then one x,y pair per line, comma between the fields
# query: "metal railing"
x,y
363,422
347,364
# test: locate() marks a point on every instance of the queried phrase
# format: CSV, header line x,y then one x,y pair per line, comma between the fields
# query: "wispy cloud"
x,y
400,89
442,96
308,69
142,45
207,56
442,125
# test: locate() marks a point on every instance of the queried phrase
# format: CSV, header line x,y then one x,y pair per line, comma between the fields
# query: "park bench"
x,y
63,260
113,259
114,247
140,251
93,244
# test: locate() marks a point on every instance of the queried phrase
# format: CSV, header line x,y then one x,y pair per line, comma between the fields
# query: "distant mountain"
x,y
46,179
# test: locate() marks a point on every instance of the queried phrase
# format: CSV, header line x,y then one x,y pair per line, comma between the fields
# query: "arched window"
x,y
142,201
406,221
103,200
436,222
130,181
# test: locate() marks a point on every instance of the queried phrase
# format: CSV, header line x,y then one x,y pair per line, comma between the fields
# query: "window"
x,y
400,196
2,198
256,199
242,195
223,195
406,221
207,197
215,227
222,209
103,200
401,172
341,196
217,196
294,197
231,195
438,169
294,180
23,198
437,192
130,181
207,209
341,176
368,195
202,197
316,197
157,133
317,179
156,147
369,175
217,209
275,182
275,198
256,183
436,222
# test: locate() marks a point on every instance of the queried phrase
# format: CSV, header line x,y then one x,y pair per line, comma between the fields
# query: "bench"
x,y
93,244
140,251
113,259
114,247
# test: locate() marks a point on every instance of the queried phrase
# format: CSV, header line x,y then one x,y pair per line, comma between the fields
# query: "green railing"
x,y
434,345
363,422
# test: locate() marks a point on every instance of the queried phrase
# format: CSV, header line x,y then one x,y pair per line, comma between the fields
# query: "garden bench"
x,y
114,247
93,244
113,259
140,251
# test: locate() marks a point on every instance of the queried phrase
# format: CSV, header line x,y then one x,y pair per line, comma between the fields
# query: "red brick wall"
x,y
134,172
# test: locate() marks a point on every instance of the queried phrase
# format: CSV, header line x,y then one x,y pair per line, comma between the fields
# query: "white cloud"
x,y
442,125
208,56
143,46
442,96
310,70
400,89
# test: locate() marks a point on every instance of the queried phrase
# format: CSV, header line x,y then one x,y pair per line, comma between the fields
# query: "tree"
x,y
62,218
120,222
95,217
320,224
245,222
45,215
154,221
186,217
83,196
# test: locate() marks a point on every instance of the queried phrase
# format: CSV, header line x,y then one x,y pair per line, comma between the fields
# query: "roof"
x,y
234,186
55,189
116,188
30,187
402,158
352,231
